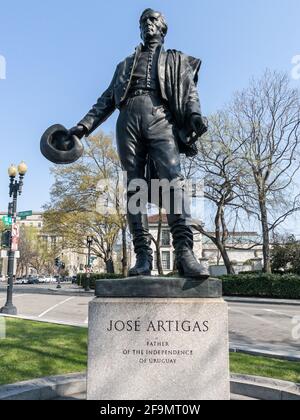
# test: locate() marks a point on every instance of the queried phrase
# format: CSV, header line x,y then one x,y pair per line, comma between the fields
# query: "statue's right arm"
x,y
103,109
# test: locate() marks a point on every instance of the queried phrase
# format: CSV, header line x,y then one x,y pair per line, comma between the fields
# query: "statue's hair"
x,y
164,25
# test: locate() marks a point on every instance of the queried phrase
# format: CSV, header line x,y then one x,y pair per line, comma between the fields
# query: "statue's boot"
x,y
179,221
188,266
186,262
138,225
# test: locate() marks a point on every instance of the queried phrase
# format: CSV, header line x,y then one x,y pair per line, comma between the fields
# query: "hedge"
x,y
286,286
280,286
82,278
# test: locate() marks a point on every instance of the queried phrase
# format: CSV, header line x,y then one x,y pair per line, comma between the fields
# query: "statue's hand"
x,y
78,131
198,124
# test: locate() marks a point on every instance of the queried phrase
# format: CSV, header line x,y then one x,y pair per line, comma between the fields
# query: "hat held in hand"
x,y
59,147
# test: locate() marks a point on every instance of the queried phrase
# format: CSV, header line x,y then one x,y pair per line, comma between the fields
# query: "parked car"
x,y
22,280
33,280
49,280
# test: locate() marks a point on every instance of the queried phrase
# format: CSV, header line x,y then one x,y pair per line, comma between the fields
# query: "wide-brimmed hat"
x,y
60,148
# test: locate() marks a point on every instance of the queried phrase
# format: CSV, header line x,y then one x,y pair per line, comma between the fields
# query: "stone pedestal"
x,y
169,342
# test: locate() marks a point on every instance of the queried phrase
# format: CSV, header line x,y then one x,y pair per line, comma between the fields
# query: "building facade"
x,y
75,262
244,251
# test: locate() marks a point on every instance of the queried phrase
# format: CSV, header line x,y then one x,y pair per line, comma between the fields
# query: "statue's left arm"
x,y
193,107
193,102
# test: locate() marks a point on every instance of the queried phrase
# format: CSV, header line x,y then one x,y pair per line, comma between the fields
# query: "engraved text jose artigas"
x,y
159,326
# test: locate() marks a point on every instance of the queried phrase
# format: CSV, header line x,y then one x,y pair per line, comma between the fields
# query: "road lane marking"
x,y
278,313
258,318
55,306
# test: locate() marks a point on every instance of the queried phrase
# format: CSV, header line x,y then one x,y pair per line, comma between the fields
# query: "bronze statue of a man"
x,y
155,92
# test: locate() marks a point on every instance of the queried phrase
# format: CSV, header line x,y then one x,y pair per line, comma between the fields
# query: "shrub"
x,y
286,286
82,278
286,256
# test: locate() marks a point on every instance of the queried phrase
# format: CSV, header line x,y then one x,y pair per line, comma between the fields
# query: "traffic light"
x,y
6,239
57,262
10,209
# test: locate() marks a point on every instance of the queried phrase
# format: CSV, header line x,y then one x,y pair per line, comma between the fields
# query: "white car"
x,y
21,281
49,280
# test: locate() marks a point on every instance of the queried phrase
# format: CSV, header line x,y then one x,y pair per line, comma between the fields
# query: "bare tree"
x,y
222,170
266,119
157,241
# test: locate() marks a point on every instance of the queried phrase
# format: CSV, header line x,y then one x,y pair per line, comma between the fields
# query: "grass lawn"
x,y
34,350
263,366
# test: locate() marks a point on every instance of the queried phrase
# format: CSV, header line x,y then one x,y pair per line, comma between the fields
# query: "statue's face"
x,y
151,26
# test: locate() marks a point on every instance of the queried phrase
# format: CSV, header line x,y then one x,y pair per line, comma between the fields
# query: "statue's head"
x,y
153,25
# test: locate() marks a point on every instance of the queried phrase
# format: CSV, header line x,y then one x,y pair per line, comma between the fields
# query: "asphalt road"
x,y
260,326
265,327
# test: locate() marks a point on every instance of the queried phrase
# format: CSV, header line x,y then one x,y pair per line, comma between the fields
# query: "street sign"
x,y
24,214
4,254
7,220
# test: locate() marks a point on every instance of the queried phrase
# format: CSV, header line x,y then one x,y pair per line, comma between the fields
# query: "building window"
x,y
155,261
165,238
166,260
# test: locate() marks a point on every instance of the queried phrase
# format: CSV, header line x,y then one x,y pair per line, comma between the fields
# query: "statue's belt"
x,y
141,92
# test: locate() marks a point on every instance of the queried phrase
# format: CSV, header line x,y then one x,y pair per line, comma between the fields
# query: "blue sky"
x,y
61,55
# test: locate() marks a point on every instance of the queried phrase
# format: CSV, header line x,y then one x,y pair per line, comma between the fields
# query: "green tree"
x,y
73,212
285,254
35,252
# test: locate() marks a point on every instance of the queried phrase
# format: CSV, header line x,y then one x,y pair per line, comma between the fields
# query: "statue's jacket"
x,y
178,77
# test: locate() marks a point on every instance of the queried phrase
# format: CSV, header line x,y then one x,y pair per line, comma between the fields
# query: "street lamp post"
x,y
60,265
15,189
89,241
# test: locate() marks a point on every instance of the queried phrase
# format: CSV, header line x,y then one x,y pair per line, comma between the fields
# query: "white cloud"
x,y
2,68
296,68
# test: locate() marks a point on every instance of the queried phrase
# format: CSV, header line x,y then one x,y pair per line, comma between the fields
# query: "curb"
x,y
66,386
82,293
45,321
265,301
47,291
63,292
45,389
264,388
291,357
